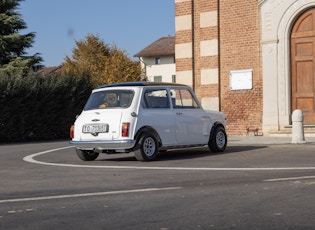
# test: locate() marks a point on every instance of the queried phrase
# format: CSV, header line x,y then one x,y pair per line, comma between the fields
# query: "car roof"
x,y
140,83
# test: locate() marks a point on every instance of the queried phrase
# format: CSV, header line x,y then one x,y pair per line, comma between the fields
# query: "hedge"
x,y
34,108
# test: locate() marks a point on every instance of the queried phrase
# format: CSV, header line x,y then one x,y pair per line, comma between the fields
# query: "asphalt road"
x,y
46,186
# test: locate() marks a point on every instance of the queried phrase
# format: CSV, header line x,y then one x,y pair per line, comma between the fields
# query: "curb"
x,y
264,140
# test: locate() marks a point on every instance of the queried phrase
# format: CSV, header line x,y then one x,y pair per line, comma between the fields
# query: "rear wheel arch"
x,y
215,125
148,129
218,138
147,144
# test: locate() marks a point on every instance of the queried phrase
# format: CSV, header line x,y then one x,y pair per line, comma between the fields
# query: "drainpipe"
x,y
193,44
219,55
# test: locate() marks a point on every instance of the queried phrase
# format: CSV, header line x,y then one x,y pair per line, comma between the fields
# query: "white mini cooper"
x,y
145,118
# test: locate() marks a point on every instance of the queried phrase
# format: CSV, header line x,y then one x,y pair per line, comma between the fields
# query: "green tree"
x,y
37,108
103,63
12,44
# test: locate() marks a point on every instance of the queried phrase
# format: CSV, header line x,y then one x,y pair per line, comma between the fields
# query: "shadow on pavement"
x,y
242,148
183,154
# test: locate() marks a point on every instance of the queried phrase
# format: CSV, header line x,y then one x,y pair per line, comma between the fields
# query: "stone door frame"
x,y
277,19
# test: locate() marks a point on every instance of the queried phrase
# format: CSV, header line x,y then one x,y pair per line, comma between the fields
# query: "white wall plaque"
x,y
241,79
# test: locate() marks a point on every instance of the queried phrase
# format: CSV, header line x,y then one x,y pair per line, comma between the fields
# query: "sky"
x,y
129,24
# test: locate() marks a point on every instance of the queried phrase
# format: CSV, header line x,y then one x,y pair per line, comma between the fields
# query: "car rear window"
x,y
109,99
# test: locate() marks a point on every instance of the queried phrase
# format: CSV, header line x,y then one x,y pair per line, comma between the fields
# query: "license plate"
x,y
100,128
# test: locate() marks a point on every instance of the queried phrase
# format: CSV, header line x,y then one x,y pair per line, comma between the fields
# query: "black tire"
x,y
87,155
147,148
218,140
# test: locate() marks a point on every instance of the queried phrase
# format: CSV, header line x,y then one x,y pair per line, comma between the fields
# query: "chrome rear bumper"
x,y
104,145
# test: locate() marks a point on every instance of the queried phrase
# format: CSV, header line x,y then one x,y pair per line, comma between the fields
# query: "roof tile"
x,y
161,47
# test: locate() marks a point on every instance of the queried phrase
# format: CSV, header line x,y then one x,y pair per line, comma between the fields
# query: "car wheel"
x,y
87,155
218,140
148,148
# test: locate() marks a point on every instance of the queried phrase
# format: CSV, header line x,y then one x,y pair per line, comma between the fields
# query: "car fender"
x,y
214,126
150,130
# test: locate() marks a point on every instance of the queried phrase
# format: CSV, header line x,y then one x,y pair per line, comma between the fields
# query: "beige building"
x,y
158,60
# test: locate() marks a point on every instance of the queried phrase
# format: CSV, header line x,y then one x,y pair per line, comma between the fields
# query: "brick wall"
x,y
238,39
239,50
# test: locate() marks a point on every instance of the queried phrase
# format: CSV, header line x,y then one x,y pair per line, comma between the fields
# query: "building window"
x,y
173,78
157,78
157,61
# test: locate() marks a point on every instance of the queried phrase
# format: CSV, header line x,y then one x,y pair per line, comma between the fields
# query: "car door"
x,y
192,123
156,113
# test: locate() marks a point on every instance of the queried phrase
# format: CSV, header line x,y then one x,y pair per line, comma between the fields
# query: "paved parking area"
x,y
256,184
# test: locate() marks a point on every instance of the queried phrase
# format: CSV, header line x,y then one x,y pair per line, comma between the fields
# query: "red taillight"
x,y
125,129
72,131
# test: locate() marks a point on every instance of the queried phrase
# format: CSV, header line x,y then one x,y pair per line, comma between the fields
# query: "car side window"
x,y
183,99
156,99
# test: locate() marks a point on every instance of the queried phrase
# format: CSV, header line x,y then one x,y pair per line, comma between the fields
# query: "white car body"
x,y
169,113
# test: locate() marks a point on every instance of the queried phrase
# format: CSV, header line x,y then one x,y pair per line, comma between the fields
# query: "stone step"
x,y
309,131
306,127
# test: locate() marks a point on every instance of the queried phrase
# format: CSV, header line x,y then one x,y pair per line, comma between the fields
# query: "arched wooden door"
x,y
303,65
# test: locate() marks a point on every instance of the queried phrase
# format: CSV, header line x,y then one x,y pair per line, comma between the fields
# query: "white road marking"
x,y
87,194
290,178
30,158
